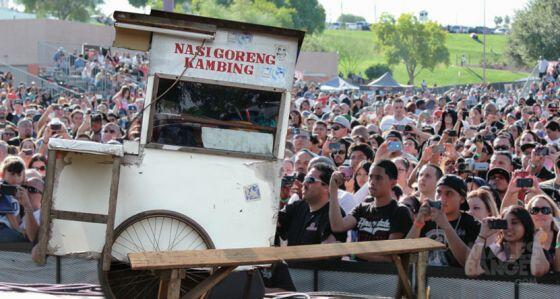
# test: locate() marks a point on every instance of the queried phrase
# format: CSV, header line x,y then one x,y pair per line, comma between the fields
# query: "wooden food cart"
x,y
206,170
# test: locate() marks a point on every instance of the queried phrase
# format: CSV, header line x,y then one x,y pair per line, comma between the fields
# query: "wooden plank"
x,y
113,194
174,286
78,216
207,284
46,206
265,255
401,263
421,263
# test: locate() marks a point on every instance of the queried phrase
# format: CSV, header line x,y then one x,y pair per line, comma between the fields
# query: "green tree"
x,y
71,10
309,14
180,5
507,20
418,45
534,33
252,11
349,18
375,71
498,20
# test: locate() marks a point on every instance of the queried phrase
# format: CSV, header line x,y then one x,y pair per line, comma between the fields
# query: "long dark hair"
x,y
454,118
365,165
522,215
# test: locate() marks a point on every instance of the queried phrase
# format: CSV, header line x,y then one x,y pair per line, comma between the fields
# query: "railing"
x,y
380,279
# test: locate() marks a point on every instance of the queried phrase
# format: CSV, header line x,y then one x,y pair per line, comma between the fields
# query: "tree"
x,y
418,45
309,14
498,20
376,70
71,10
180,5
534,33
349,18
507,20
252,11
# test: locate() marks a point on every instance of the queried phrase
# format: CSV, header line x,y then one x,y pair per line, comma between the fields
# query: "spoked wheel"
x,y
151,231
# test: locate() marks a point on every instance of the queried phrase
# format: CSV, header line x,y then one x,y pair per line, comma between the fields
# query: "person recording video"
x,y
13,175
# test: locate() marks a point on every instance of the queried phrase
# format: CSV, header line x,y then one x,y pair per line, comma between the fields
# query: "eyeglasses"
x,y
340,152
311,180
32,189
41,168
543,210
336,128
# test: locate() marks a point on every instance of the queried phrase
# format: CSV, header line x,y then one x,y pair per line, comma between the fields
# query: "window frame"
x,y
277,138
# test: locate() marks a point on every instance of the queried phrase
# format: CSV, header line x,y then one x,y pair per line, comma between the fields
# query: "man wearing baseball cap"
x,y
340,127
498,178
443,221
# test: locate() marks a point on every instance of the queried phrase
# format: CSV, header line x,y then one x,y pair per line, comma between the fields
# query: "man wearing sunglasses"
x,y
340,127
110,132
306,221
31,199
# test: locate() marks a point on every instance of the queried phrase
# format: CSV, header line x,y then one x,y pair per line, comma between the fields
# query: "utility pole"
x,y
484,45
168,5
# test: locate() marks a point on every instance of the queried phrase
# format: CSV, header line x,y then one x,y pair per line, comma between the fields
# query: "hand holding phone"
x,y
497,224
346,171
394,146
434,204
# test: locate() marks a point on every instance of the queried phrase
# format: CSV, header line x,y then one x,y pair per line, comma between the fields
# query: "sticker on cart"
x,y
281,52
252,192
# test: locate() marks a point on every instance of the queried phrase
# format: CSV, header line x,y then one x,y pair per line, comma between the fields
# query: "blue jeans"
x,y
8,235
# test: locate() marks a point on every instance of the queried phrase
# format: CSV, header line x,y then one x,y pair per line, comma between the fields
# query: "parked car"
x,y
363,25
501,31
352,26
334,26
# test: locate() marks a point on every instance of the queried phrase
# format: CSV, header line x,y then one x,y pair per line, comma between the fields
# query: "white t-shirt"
x,y
346,201
388,121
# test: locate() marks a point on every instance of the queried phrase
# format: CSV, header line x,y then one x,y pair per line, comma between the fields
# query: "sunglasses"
x,y
32,189
336,128
110,131
311,180
543,210
41,168
502,148
340,152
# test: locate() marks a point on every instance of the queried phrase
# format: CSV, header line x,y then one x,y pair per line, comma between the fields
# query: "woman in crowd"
x,y
514,251
543,210
482,205
39,163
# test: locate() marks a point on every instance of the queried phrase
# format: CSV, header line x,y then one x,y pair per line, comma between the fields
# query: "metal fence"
x,y
380,279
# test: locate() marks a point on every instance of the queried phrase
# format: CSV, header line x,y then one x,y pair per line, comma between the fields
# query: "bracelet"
x,y
419,224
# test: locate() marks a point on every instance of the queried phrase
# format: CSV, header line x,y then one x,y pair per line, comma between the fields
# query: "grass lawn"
x,y
458,45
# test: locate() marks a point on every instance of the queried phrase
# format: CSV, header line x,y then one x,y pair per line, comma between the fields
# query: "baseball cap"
x,y
498,170
454,182
343,121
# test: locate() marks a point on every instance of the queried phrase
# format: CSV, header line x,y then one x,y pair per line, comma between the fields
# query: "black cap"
x,y
454,182
498,170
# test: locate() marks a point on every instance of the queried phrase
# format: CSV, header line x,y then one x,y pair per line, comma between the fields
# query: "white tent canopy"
x,y
337,84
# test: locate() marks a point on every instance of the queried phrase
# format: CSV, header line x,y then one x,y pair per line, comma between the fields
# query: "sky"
x,y
445,12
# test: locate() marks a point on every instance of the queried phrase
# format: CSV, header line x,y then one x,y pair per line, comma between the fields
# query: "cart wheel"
x,y
151,231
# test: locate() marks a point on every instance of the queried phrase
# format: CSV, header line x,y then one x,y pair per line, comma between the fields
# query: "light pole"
x,y
484,44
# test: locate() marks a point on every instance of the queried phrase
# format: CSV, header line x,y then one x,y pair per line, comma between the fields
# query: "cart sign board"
x,y
233,56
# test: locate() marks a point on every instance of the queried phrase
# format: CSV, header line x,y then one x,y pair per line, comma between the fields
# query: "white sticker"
x,y
252,192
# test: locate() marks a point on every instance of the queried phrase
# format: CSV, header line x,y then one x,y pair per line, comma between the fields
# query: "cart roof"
x,y
193,23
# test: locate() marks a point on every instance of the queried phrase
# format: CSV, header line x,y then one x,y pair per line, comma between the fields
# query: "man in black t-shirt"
x,y
306,221
379,217
447,224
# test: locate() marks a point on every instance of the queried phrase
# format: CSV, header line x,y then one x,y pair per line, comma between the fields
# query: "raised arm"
x,y
337,222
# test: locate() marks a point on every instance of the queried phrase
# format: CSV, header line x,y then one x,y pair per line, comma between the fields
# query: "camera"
x,y
288,180
434,204
7,206
497,224
6,189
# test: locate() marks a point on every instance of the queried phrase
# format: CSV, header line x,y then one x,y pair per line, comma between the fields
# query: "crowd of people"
x,y
475,168
31,115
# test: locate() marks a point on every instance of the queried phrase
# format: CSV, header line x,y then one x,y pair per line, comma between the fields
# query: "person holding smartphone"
x,y
516,249
13,174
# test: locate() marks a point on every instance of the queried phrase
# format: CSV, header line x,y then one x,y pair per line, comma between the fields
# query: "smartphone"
x,y
524,182
288,180
497,224
56,127
334,146
295,131
541,151
452,133
394,146
434,204
408,128
346,171
480,166
440,148
8,189
400,127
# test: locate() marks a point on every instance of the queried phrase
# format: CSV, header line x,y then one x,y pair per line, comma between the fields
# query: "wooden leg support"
x,y
207,284
170,284
421,263
401,262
